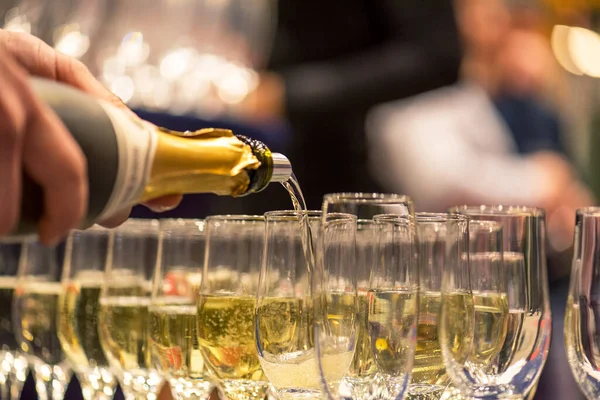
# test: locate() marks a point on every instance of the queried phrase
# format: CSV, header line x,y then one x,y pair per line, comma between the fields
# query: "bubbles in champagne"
x,y
37,310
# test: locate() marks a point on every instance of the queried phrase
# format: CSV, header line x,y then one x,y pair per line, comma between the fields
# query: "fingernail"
x,y
161,208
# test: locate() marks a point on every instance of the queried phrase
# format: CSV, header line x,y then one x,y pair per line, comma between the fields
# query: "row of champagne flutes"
x,y
371,302
451,305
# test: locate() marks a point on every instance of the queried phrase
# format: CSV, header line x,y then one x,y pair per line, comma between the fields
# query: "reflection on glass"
x,y
527,340
83,273
35,316
123,318
13,365
226,305
173,312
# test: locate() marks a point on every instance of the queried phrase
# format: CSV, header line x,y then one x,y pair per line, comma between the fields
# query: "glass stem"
x,y
197,389
97,384
102,393
50,382
13,372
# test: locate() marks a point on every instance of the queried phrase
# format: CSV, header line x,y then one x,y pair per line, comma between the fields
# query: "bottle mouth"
x,y
282,168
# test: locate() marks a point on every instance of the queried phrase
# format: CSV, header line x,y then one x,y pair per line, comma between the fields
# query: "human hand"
x,y
29,129
563,194
561,219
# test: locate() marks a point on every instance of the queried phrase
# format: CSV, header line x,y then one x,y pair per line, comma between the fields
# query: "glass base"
x,y
97,383
51,380
298,394
141,385
425,392
239,389
483,393
13,373
191,388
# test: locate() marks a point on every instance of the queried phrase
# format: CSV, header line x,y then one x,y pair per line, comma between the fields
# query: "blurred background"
x,y
448,101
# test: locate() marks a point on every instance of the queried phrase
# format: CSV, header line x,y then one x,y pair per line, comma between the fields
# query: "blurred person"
x,y
34,140
331,62
488,139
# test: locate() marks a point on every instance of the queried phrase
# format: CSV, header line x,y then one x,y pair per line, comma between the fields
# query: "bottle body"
x,y
130,160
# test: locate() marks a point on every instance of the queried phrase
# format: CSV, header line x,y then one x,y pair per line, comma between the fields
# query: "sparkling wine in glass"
x,y
285,308
13,364
173,312
79,303
336,281
528,324
227,302
123,318
440,242
36,315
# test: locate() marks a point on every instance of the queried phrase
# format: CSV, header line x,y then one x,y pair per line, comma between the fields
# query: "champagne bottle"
x,y
131,161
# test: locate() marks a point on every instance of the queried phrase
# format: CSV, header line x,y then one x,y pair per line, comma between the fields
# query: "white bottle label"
x,y
136,141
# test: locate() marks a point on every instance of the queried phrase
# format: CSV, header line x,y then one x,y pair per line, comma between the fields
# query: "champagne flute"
x,y
362,368
581,319
13,365
36,317
124,299
83,272
488,330
393,306
284,307
335,282
441,241
173,312
226,304
527,341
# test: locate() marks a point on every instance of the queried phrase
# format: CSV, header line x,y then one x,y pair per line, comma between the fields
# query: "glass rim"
x,y
138,225
588,211
235,218
498,210
431,217
174,226
289,215
367,198
18,239
490,226
394,219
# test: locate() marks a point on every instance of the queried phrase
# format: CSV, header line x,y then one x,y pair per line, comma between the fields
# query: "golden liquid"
x,y
123,323
490,329
429,371
226,334
174,340
78,325
363,364
392,318
36,309
514,332
286,342
78,318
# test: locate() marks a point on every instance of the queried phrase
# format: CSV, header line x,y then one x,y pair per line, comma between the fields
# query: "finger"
x,y
62,172
12,123
165,203
40,59
116,220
